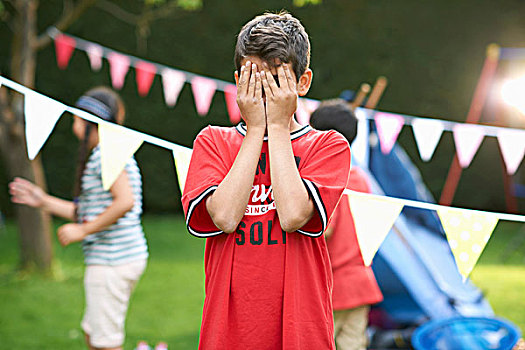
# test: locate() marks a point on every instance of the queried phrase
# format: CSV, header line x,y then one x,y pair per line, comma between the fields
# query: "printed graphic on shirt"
x,y
258,233
261,196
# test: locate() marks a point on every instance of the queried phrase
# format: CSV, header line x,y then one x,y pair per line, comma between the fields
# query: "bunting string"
x,y
448,125
362,113
427,131
170,146
467,230
436,207
103,51
90,117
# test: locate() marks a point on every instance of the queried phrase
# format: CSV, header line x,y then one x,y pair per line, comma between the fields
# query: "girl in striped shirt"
x,y
107,222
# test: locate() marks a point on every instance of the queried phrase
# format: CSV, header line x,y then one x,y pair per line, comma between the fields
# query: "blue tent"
x,y
414,266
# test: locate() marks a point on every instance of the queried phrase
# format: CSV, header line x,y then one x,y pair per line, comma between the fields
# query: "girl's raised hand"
x,y
26,192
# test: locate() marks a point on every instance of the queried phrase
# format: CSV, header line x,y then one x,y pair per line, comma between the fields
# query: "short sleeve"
x,y
358,182
206,171
325,176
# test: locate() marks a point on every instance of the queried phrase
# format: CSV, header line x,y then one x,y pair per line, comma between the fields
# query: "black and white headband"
x,y
95,107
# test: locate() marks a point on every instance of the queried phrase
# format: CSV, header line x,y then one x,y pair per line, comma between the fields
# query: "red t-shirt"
x,y
354,283
266,289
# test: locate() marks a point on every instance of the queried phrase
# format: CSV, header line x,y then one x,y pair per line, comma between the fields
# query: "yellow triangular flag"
x,y
468,231
117,145
182,156
373,219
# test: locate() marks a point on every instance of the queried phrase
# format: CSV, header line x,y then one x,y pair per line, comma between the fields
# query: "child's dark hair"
x,y
104,103
335,115
272,36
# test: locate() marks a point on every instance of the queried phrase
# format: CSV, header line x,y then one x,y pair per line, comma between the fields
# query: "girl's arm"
x,y
122,203
26,192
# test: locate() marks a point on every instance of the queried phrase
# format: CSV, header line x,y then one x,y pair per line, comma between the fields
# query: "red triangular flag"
x,y
145,73
64,46
118,68
230,95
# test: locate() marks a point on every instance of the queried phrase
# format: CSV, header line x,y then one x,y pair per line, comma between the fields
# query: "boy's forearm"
x,y
227,204
293,204
59,207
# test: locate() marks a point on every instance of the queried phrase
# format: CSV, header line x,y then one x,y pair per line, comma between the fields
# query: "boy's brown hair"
x,y
271,36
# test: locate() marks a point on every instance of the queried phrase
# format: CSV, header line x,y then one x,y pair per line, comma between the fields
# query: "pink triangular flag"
x,y
512,145
388,127
119,65
203,91
230,95
305,108
64,46
311,105
95,53
467,138
172,82
301,114
145,73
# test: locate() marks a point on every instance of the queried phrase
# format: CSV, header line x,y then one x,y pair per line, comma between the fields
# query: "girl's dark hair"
x,y
103,103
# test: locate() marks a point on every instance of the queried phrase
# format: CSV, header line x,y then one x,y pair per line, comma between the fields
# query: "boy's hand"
x,y
249,96
71,233
281,101
25,192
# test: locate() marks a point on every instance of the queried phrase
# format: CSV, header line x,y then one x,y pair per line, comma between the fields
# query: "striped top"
x,y
122,242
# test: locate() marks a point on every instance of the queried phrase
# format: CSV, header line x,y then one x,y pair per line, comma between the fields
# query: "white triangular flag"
x,y
468,231
467,138
41,116
373,218
512,145
117,145
95,53
182,156
172,82
427,133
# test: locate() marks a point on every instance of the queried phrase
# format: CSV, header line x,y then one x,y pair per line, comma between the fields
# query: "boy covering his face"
x,y
262,194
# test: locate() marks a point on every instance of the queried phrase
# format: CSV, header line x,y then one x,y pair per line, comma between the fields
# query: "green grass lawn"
x,y
500,272
44,313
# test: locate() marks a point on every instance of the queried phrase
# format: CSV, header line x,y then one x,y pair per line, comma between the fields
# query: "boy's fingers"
x,y
251,84
269,77
291,80
281,75
258,85
265,84
243,81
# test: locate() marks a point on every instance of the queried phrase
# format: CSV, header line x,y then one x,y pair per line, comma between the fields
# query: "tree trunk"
x,y
34,225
